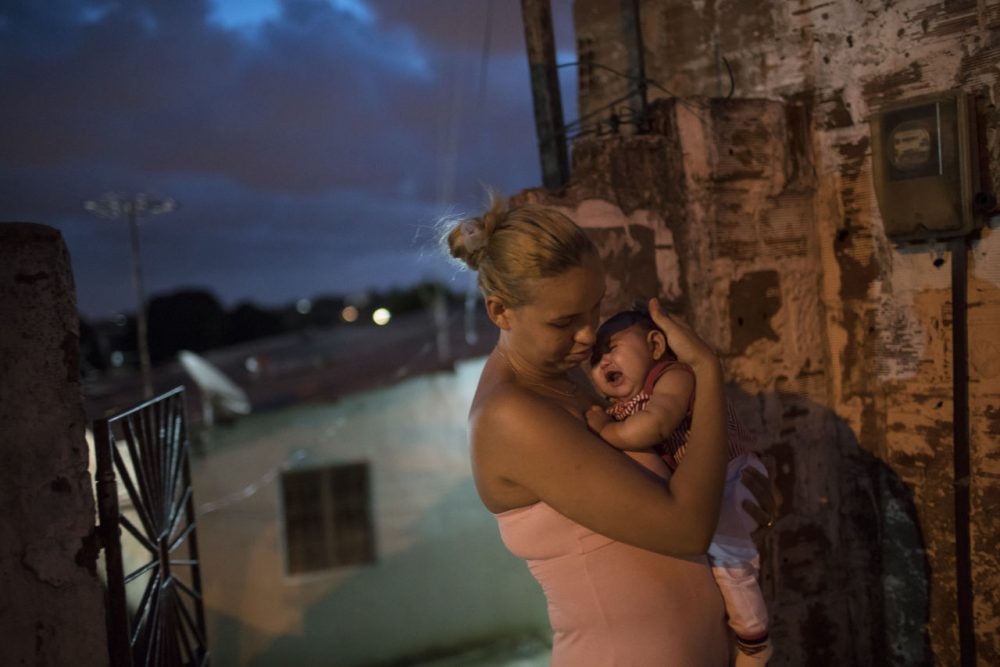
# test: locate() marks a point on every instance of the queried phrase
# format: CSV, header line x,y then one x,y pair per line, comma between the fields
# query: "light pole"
x,y
115,206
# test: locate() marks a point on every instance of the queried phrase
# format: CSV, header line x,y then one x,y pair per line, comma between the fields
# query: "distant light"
x,y
304,306
117,358
252,365
381,316
349,314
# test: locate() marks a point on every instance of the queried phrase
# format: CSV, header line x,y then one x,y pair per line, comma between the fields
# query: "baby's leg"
x,y
735,525
735,565
747,612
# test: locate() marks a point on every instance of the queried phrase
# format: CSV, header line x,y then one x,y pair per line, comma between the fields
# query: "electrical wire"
x,y
732,79
579,128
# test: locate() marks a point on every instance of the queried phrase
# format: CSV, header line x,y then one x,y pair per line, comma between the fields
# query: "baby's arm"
x,y
663,413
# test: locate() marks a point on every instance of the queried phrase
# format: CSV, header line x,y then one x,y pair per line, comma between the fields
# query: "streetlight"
x,y
115,206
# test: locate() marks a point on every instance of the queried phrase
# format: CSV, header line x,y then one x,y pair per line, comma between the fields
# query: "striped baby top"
x,y
672,448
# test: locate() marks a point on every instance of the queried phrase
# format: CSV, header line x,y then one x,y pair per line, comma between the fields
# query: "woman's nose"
x,y
586,335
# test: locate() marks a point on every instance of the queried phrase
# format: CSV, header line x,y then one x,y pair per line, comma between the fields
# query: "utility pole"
x,y
632,39
114,206
549,124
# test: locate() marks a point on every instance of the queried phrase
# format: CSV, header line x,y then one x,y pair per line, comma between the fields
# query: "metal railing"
x,y
146,449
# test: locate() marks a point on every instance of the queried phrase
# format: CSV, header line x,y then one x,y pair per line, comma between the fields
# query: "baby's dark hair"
x,y
637,314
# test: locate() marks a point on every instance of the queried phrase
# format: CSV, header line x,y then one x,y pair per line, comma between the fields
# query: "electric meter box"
x,y
924,167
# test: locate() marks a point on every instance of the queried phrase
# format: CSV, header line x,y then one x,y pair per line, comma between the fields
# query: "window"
x,y
327,517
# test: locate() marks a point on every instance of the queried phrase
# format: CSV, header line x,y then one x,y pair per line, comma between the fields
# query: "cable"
x,y
484,59
637,79
732,79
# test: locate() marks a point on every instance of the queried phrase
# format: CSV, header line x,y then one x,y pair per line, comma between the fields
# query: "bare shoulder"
x,y
498,440
499,423
520,438
502,403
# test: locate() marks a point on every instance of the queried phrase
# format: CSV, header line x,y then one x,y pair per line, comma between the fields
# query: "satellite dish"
x,y
218,392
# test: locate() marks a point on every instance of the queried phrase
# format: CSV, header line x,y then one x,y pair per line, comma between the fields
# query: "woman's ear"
x,y
657,343
498,312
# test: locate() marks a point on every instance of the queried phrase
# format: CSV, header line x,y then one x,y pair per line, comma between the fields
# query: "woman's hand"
x,y
685,343
768,499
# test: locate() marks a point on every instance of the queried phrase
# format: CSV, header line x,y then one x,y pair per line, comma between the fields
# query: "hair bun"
x,y
467,242
512,247
473,235
469,239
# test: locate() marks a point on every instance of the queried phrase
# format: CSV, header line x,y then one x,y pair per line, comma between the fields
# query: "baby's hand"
x,y
597,418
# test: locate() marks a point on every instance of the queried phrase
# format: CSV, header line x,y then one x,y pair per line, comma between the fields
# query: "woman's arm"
x,y
540,447
701,484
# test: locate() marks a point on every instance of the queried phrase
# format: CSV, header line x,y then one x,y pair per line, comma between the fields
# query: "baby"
x,y
651,395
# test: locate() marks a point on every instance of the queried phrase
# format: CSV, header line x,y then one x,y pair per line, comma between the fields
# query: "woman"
x,y
617,549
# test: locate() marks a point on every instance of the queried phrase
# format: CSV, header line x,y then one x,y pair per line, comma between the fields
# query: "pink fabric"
x,y
611,604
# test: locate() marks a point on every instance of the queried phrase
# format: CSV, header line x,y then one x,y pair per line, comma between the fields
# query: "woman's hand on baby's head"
x,y
685,343
597,418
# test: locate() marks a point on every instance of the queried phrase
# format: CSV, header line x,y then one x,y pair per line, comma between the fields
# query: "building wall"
x,y
441,580
757,216
51,602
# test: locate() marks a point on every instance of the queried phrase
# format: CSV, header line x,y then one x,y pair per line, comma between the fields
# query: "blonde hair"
x,y
511,247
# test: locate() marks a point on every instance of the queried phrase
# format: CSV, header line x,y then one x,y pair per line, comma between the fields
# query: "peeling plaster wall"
x,y
758,217
51,602
751,280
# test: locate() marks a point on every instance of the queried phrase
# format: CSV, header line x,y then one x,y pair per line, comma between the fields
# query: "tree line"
x,y
194,319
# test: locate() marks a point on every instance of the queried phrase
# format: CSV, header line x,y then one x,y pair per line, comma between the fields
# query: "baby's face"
x,y
621,372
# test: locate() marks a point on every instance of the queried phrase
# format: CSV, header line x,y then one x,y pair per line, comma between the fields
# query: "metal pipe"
x,y
962,468
142,327
632,29
114,206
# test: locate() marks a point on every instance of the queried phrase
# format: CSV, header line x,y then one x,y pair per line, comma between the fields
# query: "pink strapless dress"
x,y
614,605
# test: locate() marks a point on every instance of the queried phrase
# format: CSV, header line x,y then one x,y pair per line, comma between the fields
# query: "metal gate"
x,y
146,449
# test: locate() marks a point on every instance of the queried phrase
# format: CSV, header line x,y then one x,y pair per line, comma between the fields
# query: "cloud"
x,y
460,24
283,111
294,134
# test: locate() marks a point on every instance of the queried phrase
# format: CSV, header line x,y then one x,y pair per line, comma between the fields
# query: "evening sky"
x,y
312,146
